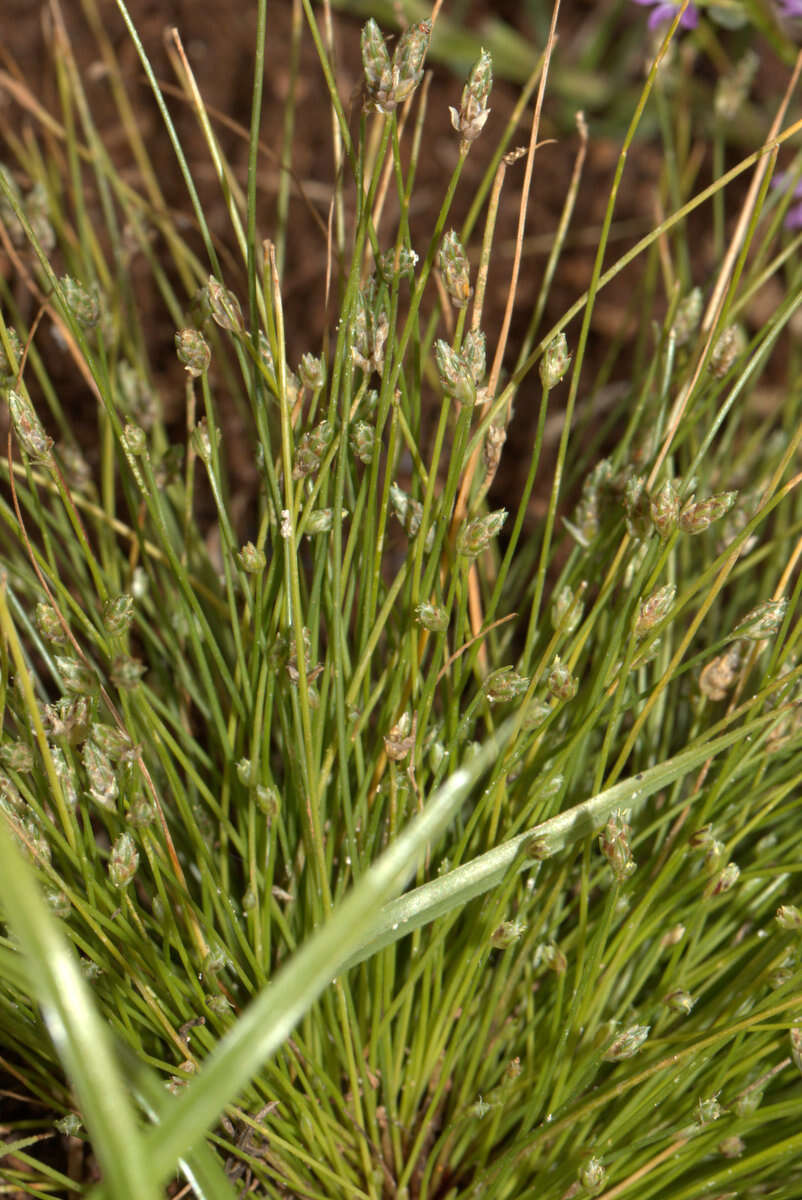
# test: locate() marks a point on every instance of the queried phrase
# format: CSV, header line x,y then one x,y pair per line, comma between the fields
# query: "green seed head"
x,y
555,362
476,535
470,119
193,351
453,265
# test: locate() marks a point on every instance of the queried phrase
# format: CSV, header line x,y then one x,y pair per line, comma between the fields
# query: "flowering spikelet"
x,y
29,429
696,516
689,312
654,608
311,449
763,621
193,351
453,264
455,375
477,534
388,84
664,509
81,303
504,684
224,307
729,345
614,845
555,362
627,1044
473,112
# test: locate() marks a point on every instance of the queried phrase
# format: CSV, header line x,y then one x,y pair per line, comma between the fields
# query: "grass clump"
x,y
369,839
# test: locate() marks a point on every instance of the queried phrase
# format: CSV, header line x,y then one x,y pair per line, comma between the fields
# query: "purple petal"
x,y
791,8
662,13
667,12
793,218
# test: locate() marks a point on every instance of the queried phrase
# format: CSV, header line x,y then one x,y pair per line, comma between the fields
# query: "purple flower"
x,y
788,8
667,12
793,218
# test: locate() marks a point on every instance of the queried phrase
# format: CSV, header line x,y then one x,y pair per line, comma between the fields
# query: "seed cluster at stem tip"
x,y
389,83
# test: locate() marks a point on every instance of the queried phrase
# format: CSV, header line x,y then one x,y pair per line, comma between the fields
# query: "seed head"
x,y
407,260
614,845
224,307
17,755
638,508
695,517
789,917
408,60
474,354
124,861
432,617
566,610
455,374
507,934
729,345
627,1043
252,559
267,800
664,509
69,719
81,303
680,1001
388,84
476,535
320,520
560,682
76,676
726,880
555,362
362,437
118,613
377,67
48,623
654,609
720,674
103,787
763,621
399,742
312,372
193,351
453,264
369,330
592,1176
492,446
29,429
504,684
410,513
688,315
707,1111
473,112
201,440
